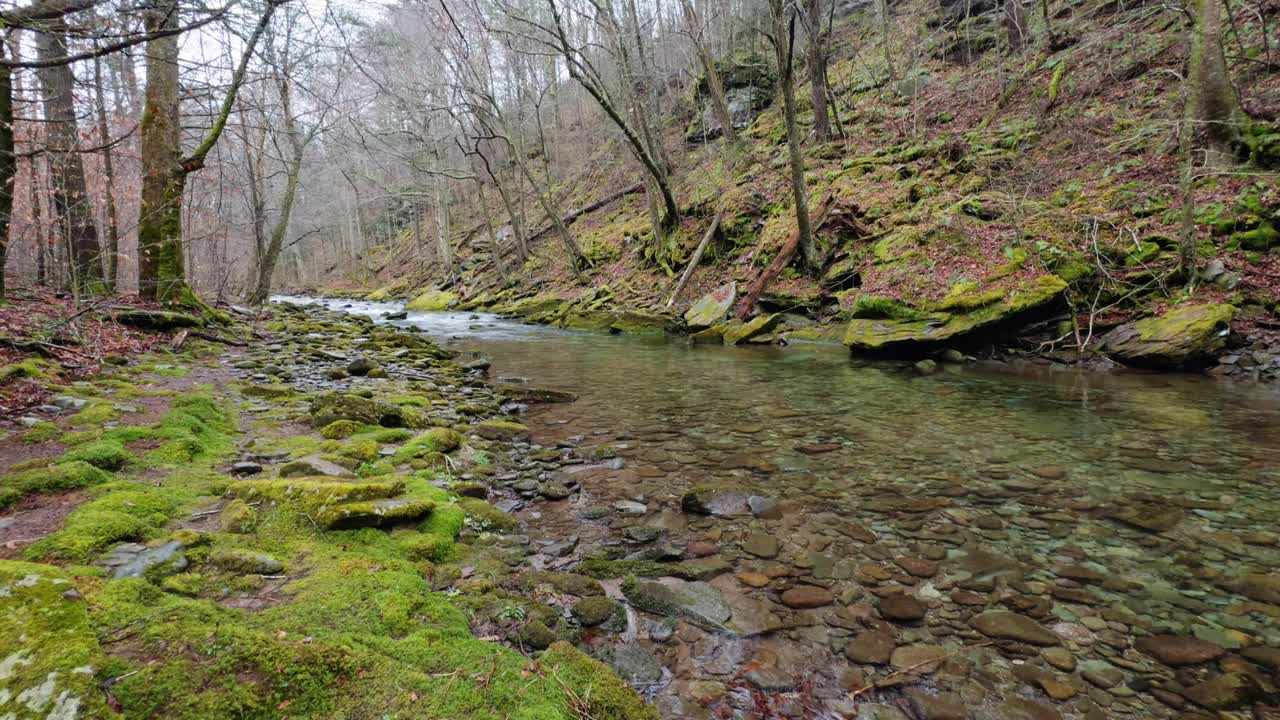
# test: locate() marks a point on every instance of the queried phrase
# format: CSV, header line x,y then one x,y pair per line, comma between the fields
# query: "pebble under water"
x,y
988,543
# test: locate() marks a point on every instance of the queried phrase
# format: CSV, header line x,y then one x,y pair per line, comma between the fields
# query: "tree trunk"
x,y
784,45
780,261
109,182
267,264
8,164
161,275
1015,23
818,71
70,199
1212,106
719,106
493,236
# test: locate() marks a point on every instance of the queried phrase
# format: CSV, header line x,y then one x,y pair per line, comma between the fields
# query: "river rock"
x,y
716,501
924,658
902,608
164,560
697,602
1005,625
1263,588
1224,691
870,648
1176,650
1183,337
807,596
761,545
711,308
752,330
1147,516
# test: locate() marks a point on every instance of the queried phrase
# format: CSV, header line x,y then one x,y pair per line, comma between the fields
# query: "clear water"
x,y
1050,454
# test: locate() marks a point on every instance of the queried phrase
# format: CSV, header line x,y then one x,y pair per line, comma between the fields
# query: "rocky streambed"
x,y
752,533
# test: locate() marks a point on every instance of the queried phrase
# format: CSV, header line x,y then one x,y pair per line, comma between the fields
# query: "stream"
x,y
942,523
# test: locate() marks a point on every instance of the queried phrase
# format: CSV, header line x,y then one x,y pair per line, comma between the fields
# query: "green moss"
x,y
486,517
189,584
596,610
48,651
446,521
34,368
237,517
88,532
274,391
501,430
391,435
362,450
103,454
310,494
432,300
423,546
95,414
373,513
876,306
42,432
339,429
70,475
605,696
245,562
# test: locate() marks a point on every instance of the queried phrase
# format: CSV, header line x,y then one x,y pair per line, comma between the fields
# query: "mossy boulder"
x,y
432,300
754,330
561,582
596,610
268,391
372,513
637,322
49,653
443,440
910,330
536,394
712,308
502,430
236,517
1185,337
245,562
332,407
339,429
487,517
312,493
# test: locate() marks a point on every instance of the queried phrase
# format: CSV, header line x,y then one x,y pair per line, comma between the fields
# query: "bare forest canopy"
x,y
183,150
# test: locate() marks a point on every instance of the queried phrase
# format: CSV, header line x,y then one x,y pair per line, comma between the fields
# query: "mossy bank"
x,y
287,531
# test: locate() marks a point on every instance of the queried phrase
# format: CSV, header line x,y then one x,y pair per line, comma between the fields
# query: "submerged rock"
x,y
1179,650
1183,337
1004,625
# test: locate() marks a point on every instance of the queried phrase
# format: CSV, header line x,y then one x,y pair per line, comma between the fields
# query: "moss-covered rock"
x,y
332,407
245,562
562,582
432,300
924,332
1181,338
315,492
712,308
501,430
596,610
339,429
487,517
751,331
49,654
104,454
372,513
237,517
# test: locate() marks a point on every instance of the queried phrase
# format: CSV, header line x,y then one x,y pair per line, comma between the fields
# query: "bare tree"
x,y
783,37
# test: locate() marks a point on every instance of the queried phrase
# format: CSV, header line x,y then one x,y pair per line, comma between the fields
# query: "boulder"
x,y
331,407
314,465
1185,337
712,308
754,330
156,319
695,602
894,328
719,501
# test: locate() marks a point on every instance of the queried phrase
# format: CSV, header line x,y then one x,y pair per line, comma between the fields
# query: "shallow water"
x,y
1029,467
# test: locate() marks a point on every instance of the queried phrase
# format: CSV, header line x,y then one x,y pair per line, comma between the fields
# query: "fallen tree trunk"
x,y
574,215
697,257
766,276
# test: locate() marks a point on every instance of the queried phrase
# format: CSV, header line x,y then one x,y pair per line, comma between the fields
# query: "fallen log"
x,y
766,276
697,257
